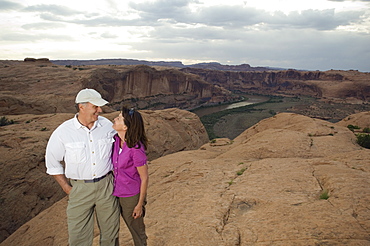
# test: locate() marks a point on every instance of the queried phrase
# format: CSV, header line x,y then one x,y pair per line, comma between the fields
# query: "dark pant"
x,y
136,226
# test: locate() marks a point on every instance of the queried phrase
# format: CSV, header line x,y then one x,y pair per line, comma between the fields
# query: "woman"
x,y
131,171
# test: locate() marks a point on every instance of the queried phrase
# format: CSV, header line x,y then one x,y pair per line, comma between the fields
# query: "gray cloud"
x,y
163,9
52,9
316,19
228,16
108,35
243,16
8,5
42,26
308,39
315,50
20,37
178,12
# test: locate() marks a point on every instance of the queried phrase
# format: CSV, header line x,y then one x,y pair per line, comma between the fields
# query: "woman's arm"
x,y
143,172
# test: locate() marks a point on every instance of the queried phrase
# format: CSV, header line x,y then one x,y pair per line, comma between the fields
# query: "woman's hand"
x,y
138,211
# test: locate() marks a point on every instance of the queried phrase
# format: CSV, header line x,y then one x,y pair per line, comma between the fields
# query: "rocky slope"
x,y
361,120
262,188
27,189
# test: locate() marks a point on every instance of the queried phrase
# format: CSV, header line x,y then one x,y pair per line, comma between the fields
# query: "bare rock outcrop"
x,y
27,189
361,120
29,59
294,136
275,184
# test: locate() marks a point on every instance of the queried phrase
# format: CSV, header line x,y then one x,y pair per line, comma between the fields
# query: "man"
x,y
84,143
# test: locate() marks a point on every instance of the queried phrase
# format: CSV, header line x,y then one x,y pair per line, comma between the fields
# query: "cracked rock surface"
x,y
262,188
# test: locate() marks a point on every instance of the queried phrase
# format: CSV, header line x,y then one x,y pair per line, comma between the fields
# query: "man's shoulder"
x,y
65,124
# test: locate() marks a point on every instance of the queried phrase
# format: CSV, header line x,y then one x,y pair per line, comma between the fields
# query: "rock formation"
x,y
41,88
288,180
28,59
169,87
340,85
361,120
27,189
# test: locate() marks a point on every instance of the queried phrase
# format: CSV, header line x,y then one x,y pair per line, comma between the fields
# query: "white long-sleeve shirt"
x,y
85,152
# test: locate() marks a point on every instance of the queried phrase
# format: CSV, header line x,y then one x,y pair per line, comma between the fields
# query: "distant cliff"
x,y
32,87
178,64
153,88
43,87
329,84
117,62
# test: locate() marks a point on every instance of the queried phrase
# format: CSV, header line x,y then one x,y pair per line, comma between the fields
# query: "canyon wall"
x,y
40,87
328,84
165,88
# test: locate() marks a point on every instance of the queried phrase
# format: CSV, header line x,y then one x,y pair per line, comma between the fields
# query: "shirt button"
x,y
90,140
94,164
93,152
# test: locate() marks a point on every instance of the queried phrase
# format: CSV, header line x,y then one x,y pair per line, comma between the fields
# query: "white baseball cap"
x,y
91,96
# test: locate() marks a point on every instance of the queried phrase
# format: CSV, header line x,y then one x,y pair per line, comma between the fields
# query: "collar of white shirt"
x,y
78,125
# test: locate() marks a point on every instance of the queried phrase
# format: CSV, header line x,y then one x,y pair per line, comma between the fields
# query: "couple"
x,y
98,178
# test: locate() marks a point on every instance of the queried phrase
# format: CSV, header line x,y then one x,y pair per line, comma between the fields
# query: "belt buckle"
x,y
90,181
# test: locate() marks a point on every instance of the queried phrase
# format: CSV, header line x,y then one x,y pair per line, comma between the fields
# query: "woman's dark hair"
x,y
135,134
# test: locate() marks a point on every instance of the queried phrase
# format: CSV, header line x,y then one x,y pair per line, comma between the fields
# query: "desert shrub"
x,y
363,140
366,130
324,195
352,127
5,121
272,112
241,171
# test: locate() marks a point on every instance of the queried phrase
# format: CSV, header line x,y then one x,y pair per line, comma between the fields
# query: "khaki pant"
x,y
136,226
87,199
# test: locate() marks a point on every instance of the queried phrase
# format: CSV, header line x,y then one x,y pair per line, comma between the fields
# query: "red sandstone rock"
x,y
263,188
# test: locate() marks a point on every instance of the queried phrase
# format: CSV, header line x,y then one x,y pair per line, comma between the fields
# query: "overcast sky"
x,y
313,35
